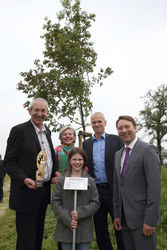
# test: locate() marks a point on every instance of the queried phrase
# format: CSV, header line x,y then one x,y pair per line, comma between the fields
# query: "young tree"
x,y
154,116
65,77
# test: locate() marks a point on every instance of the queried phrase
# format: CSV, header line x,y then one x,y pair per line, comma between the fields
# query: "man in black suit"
x,y
100,150
30,203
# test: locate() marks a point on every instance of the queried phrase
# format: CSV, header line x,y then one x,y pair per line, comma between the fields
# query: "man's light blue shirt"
x,y
99,159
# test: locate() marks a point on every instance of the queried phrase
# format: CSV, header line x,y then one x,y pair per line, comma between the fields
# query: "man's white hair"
x,y
37,99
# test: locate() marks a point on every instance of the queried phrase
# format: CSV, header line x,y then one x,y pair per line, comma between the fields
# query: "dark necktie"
x,y
125,160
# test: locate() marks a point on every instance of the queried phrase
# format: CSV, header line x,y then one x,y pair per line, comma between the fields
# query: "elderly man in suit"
x,y
100,150
30,202
136,188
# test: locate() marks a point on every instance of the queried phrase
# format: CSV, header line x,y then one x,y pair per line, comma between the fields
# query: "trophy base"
x,y
39,183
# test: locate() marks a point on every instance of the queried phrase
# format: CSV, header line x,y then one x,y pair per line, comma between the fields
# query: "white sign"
x,y
75,183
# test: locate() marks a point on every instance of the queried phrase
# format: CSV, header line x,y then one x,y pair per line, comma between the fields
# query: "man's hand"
x,y
148,230
30,183
117,224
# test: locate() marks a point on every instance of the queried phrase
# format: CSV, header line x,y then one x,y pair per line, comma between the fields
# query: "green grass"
x,y
162,227
8,231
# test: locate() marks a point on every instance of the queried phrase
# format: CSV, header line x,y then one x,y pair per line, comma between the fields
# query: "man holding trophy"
x,y
30,162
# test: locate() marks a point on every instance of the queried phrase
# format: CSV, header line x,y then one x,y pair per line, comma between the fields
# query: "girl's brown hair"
x,y
80,151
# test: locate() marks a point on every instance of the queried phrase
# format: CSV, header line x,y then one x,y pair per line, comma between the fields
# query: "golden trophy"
x,y
41,164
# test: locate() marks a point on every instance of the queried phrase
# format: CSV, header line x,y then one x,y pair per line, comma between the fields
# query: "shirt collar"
x,y
102,136
131,145
37,130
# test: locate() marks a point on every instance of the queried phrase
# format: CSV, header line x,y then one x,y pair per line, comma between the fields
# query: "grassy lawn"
x,y
8,232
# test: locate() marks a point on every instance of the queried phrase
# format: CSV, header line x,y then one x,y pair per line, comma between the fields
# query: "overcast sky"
x,y
129,36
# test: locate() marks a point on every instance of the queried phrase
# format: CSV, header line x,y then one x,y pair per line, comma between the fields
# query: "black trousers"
x,y
30,226
59,246
101,221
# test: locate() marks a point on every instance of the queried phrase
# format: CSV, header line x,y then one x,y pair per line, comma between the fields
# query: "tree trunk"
x,y
82,117
159,150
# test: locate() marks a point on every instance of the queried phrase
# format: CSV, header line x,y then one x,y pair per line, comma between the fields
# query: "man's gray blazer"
x,y
139,189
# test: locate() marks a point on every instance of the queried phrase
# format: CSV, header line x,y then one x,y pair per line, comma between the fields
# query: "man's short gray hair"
x,y
37,99
97,113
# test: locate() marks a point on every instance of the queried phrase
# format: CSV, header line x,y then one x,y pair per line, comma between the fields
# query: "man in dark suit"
x,y
100,150
30,203
136,188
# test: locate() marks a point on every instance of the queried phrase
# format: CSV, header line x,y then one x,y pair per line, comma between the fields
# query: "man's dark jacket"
x,y
112,144
20,162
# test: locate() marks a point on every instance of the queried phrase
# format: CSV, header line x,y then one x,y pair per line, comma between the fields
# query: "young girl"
x,y
63,205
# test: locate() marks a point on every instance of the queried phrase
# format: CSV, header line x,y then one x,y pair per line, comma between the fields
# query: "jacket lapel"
x,y
91,150
106,146
48,137
118,169
33,134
